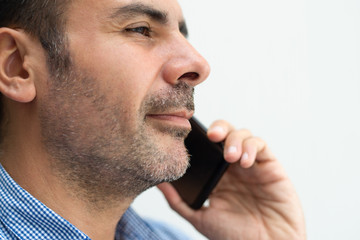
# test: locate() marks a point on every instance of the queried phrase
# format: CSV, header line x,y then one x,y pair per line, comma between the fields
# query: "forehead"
x,y
105,8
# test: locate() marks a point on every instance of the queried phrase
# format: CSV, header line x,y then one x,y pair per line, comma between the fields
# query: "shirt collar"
x,y
28,218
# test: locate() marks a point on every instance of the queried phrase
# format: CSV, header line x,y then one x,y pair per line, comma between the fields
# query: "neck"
x,y
33,172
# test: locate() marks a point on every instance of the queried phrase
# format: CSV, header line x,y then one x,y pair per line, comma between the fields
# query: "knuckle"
x,y
245,132
255,141
223,123
241,134
220,122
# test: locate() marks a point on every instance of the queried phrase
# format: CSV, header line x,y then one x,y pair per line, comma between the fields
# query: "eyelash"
x,y
143,30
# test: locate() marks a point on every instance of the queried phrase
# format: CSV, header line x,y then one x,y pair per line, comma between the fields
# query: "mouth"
x,y
175,118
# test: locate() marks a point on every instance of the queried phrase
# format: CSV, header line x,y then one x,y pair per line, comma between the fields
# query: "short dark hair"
x,y
44,20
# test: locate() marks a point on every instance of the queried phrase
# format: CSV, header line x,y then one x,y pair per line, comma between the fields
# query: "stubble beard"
x,y
99,151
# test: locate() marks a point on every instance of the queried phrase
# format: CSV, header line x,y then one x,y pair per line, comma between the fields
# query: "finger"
x,y
219,130
254,149
175,201
233,145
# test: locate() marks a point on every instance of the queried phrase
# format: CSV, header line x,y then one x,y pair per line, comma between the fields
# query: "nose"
x,y
184,63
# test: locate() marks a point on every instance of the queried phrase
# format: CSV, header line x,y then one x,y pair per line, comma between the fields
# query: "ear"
x,y
16,78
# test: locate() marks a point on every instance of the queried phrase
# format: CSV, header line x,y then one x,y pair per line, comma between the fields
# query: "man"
x,y
96,97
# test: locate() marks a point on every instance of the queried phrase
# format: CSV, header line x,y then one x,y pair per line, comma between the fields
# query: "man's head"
x,y
112,113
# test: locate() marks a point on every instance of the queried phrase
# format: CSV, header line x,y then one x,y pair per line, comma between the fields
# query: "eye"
x,y
143,30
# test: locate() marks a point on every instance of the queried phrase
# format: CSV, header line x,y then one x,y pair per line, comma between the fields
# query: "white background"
x,y
289,71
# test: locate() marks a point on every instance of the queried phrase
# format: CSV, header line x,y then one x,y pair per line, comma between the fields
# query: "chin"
x,y
157,156
176,162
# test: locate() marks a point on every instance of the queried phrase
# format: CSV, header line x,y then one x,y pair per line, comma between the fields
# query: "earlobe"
x,y
15,81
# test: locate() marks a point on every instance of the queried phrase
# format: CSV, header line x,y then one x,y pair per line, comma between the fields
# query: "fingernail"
x,y
231,149
217,129
245,156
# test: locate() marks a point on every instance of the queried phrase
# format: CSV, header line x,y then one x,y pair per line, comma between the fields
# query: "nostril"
x,y
190,76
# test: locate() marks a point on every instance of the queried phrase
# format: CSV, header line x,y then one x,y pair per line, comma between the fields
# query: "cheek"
x,y
126,73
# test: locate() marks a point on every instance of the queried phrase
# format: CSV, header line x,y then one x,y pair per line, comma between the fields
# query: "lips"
x,y
179,114
180,118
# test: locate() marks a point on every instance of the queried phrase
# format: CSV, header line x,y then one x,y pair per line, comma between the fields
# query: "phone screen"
x,y
207,165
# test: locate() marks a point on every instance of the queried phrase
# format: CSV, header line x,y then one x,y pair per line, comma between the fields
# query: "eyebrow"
x,y
139,9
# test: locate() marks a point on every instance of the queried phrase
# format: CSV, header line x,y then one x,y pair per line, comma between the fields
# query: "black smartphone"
x,y
207,165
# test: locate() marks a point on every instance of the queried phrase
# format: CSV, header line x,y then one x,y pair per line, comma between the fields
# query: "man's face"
x,y
116,123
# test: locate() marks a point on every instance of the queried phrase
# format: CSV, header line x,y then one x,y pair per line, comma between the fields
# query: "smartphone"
x,y
207,165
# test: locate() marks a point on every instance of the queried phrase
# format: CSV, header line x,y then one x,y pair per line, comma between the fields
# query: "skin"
x,y
255,199
125,67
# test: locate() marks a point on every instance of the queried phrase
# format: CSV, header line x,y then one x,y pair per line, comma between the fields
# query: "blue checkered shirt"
x,y
24,217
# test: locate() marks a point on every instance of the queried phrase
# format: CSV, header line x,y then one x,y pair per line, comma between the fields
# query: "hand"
x,y
254,199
